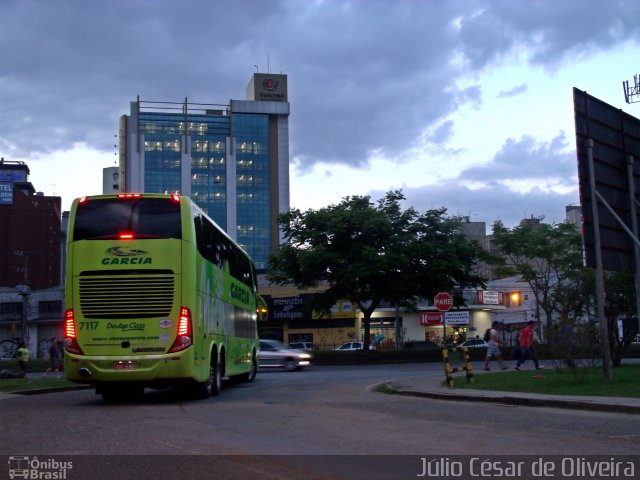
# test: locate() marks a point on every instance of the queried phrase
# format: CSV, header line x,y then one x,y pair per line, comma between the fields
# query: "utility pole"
x,y
24,291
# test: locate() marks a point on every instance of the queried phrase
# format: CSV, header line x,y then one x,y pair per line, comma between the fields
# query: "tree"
x,y
620,304
548,258
368,253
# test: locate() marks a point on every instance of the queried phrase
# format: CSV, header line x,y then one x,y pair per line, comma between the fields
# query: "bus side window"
x,y
218,249
210,241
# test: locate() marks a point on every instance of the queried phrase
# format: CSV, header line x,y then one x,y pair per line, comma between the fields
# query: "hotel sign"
x,y
6,193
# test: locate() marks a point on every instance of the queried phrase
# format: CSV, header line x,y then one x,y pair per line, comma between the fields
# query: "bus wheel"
x,y
216,385
250,376
212,386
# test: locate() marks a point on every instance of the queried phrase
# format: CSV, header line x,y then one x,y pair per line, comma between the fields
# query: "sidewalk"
x,y
431,387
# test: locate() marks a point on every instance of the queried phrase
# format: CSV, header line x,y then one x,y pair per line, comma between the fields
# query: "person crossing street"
x,y
527,340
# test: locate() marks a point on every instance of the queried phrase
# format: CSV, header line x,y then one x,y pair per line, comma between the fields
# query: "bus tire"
x,y
250,376
218,374
212,386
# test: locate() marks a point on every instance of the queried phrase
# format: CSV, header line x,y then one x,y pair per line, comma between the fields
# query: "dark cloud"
x,y
479,191
528,159
552,31
442,133
364,75
480,204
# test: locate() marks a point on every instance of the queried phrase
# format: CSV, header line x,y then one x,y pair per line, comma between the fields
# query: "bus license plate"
x,y
125,365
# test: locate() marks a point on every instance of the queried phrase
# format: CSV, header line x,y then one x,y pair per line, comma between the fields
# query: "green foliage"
x,y
575,346
549,259
561,382
368,253
620,303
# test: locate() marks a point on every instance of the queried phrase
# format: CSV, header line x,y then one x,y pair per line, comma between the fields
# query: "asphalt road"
x,y
324,422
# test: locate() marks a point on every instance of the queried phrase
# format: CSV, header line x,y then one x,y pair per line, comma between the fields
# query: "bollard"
x,y
448,371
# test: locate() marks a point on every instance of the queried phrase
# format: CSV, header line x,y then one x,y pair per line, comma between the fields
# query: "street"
x,y
292,420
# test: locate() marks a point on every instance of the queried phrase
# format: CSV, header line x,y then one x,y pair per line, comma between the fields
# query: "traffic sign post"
x,y
443,301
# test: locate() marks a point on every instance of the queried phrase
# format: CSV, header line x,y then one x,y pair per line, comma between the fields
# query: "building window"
x,y
11,308
172,146
50,306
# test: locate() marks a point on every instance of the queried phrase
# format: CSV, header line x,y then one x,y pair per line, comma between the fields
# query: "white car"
x,y
275,354
474,343
351,346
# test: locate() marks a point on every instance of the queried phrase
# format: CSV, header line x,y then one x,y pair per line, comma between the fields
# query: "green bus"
x,y
157,295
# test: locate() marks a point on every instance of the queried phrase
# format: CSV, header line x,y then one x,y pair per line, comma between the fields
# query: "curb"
x,y
523,401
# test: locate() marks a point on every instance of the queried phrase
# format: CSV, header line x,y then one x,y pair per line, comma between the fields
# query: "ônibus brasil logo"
x,y
122,255
27,467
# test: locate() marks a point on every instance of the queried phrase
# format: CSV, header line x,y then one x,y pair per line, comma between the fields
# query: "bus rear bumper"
x,y
149,369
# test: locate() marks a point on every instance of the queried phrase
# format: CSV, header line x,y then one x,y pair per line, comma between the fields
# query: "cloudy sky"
x,y
462,104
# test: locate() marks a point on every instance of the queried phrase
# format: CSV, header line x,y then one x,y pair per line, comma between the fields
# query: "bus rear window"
x,y
109,218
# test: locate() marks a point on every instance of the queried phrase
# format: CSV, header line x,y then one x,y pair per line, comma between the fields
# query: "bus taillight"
x,y
184,339
129,195
70,340
126,236
175,198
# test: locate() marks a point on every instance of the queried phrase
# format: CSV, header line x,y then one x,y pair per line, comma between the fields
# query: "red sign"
x,y
430,318
443,301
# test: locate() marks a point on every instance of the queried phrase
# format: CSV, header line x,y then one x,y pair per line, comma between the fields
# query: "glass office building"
x,y
232,160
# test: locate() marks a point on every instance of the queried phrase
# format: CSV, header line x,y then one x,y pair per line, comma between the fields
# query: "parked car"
x,y
474,343
275,354
301,345
351,346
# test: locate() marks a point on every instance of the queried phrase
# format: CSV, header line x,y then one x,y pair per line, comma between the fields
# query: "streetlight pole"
x,y
24,291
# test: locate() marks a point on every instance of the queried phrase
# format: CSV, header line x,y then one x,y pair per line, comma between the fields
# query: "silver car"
x,y
275,354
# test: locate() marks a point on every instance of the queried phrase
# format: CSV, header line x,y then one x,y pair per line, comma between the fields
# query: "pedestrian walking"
x,y
527,341
54,359
22,355
493,350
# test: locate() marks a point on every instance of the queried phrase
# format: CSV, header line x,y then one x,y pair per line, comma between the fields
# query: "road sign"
x,y
443,301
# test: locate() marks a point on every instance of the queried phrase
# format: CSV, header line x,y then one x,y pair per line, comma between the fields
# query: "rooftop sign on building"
x,y
268,87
